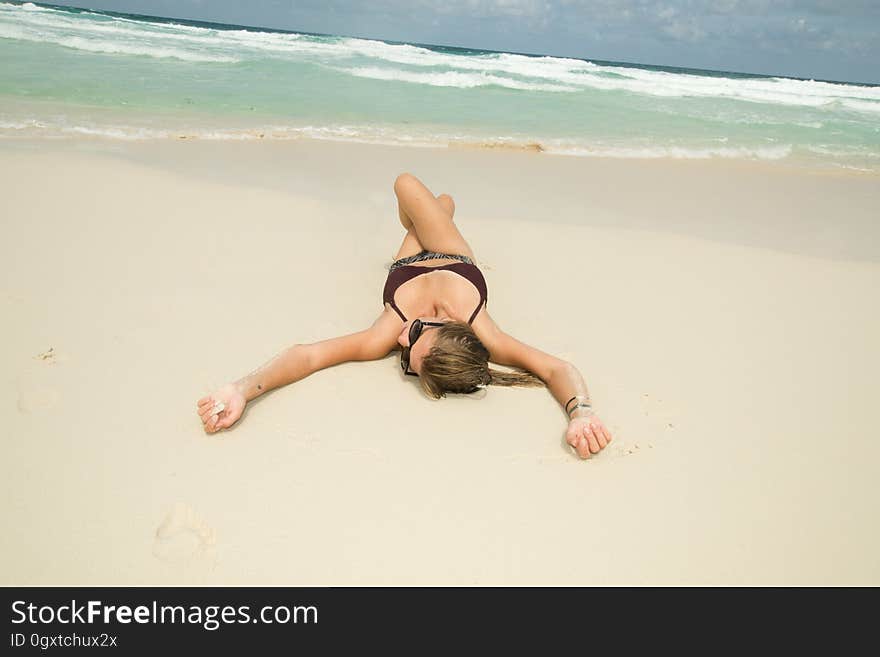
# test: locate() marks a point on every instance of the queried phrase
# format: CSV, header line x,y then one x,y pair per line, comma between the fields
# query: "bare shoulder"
x,y
504,349
382,335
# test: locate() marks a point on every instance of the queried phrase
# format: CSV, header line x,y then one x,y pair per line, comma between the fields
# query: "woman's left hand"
x,y
587,435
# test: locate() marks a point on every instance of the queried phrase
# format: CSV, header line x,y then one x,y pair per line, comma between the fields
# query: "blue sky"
x,y
822,39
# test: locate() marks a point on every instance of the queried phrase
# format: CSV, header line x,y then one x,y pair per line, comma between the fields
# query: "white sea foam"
x,y
678,152
851,152
114,47
570,73
22,125
111,47
557,71
872,107
126,133
234,43
391,135
857,159
451,79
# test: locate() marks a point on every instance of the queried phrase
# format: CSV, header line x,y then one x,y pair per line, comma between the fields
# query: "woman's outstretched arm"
x,y
222,408
586,433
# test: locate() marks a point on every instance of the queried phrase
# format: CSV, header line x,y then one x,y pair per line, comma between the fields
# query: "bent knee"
x,y
403,182
447,202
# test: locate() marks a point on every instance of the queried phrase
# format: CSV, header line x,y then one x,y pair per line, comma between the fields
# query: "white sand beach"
x,y
724,315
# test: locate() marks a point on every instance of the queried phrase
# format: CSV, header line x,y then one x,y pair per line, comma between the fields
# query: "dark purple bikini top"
x,y
402,274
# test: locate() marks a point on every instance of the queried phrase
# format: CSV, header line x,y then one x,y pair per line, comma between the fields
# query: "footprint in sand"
x,y
47,356
658,413
184,537
34,392
34,396
630,449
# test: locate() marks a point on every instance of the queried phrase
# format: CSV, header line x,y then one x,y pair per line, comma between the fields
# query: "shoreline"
x,y
114,126
801,163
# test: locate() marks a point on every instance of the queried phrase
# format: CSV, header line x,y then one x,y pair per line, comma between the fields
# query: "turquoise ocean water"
x,y
68,72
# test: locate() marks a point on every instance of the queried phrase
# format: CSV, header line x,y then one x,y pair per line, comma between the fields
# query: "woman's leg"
x,y
428,218
411,244
445,200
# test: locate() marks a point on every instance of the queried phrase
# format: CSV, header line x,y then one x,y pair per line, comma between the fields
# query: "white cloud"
x,y
485,8
685,30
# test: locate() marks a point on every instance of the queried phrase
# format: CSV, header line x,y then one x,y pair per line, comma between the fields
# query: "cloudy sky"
x,y
822,39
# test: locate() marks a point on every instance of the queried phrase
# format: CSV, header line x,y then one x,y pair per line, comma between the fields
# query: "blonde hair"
x,y
459,363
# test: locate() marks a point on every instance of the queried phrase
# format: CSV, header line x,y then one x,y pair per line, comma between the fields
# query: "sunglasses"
x,y
415,330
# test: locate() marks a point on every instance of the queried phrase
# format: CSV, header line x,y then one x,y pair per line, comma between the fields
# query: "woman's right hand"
x,y
587,434
222,408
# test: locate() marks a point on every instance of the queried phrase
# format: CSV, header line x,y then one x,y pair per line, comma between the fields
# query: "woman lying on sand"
x,y
447,344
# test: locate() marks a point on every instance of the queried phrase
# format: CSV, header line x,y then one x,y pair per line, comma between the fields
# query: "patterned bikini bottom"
x,y
427,255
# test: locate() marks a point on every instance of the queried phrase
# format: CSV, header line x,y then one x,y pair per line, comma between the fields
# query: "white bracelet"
x,y
579,405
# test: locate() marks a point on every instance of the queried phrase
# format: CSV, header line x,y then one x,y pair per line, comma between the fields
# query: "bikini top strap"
x,y
397,310
474,316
